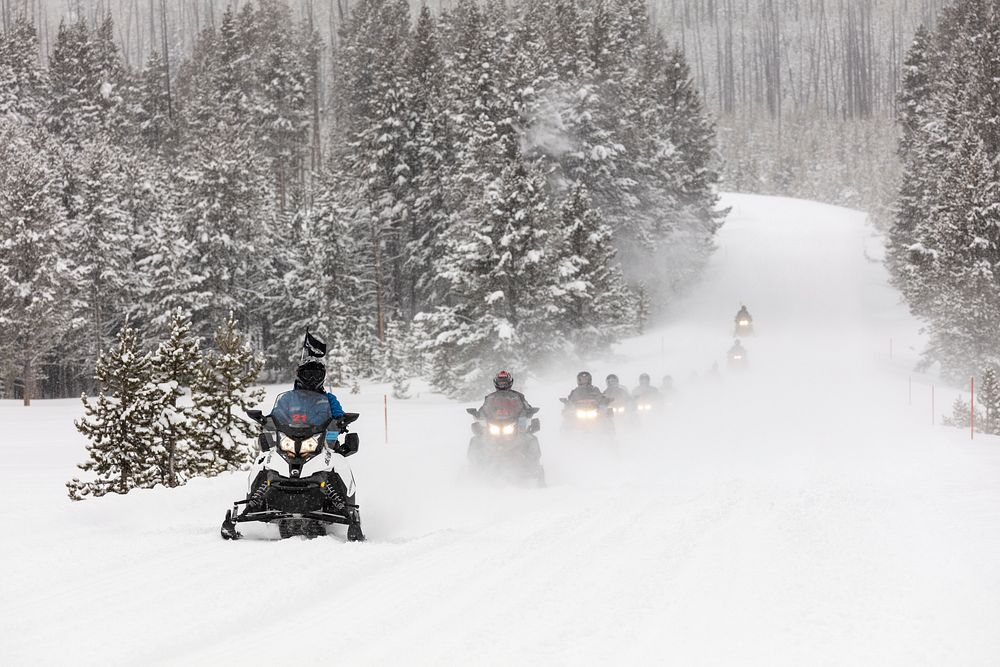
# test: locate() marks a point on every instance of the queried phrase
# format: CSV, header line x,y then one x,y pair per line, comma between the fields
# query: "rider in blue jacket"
x,y
309,376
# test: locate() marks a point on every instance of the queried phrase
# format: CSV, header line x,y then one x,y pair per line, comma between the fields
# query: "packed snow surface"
x,y
804,512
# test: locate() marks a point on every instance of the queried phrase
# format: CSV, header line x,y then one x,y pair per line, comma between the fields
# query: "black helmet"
x,y
644,379
310,375
612,380
503,380
584,378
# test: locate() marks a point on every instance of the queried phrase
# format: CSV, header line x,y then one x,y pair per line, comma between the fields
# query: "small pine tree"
x,y
396,357
120,424
176,365
988,395
223,389
960,414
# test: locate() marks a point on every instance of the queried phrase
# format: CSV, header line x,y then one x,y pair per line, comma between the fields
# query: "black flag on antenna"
x,y
313,346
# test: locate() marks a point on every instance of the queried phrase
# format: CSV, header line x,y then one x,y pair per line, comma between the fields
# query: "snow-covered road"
x,y
802,513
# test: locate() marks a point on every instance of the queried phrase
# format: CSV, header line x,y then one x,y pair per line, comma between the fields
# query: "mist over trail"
x,y
798,513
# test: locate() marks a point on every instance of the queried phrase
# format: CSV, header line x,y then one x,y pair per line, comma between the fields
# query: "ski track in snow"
x,y
799,513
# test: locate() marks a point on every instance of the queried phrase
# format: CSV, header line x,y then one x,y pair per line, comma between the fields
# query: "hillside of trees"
x,y
435,194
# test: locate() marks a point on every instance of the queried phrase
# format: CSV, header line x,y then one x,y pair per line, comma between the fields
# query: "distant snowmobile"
x,y
744,323
504,446
588,416
737,357
300,481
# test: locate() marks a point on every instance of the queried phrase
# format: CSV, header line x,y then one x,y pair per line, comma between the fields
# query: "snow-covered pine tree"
x,y
596,305
944,246
375,126
229,219
988,395
500,277
339,372
162,250
87,76
37,267
221,393
431,154
119,424
317,289
175,366
961,414
397,355
73,79
151,116
113,79
285,82
23,82
905,254
102,240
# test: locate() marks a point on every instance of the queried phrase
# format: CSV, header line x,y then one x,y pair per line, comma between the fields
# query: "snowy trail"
x,y
801,513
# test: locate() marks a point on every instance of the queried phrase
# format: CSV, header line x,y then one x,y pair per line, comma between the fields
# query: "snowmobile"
x,y
498,445
587,416
737,359
647,405
300,480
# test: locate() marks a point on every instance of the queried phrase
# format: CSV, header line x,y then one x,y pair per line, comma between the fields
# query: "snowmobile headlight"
x,y
586,414
620,410
494,429
310,445
744,323
737,357
645,407
508,429
286,444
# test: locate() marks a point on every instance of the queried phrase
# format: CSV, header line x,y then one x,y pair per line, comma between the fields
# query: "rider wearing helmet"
x,y
645,390
507,403
309,376
616,393
668,388
585,390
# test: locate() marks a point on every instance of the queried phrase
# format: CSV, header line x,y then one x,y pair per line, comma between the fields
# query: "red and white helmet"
x,y
503,380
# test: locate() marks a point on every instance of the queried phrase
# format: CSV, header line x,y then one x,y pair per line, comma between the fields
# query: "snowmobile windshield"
x,y
300,414
501,407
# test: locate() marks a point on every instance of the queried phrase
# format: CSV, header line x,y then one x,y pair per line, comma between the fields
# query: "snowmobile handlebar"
x,y
348,418
257,416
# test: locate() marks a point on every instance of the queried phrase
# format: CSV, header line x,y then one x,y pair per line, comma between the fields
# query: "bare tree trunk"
x,y
166,59
29,382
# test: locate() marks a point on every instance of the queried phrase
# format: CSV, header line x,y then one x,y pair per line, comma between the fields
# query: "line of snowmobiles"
x,y
301,481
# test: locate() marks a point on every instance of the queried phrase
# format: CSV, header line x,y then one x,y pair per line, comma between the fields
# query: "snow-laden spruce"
x,y
945,250
166,416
